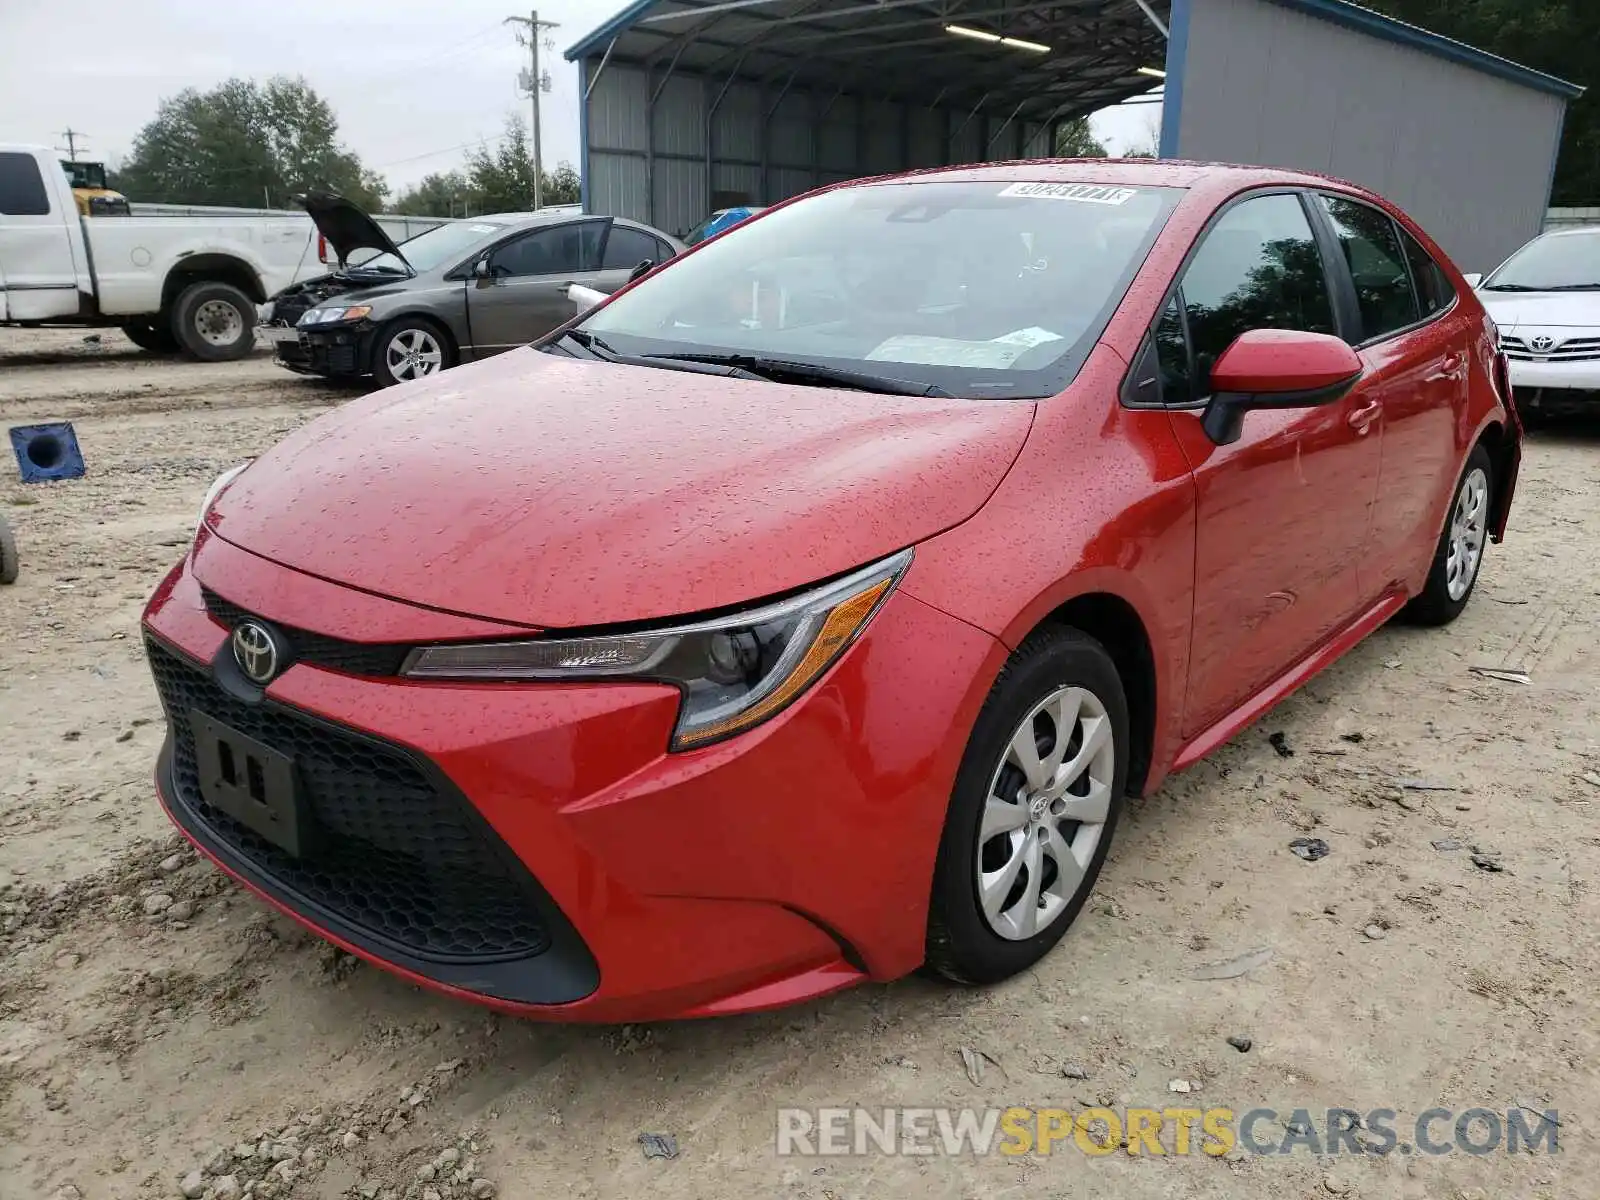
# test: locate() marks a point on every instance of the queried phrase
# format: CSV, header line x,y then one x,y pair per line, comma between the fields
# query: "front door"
x,y
1283,513
627,247
37,265
523,295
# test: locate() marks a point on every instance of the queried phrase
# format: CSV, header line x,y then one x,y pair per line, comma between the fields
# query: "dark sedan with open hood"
x,y
460,291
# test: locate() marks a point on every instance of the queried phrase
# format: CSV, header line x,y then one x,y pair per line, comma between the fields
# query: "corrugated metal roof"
x,y
1060,57
1064,57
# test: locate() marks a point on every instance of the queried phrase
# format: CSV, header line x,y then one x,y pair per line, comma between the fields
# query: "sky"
x,y
414,82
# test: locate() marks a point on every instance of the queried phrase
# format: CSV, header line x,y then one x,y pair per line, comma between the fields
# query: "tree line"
x,y
256,144
251,143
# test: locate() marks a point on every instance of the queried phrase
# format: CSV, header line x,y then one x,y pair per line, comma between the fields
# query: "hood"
x,y
558,492
346,227
1556,310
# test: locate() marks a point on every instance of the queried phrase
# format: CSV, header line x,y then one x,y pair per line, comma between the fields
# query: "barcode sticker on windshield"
x,y
1083,193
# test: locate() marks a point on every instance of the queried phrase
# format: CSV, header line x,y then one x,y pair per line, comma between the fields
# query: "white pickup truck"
x,y
170,283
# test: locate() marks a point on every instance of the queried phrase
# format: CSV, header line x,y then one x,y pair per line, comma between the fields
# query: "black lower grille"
x,y
373,659
398,856
321,357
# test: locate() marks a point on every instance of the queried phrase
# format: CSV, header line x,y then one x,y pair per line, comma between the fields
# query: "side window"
x,y
559,251
1257,268
1172,356
22,191
664,251
1434,292
627,248
1371,246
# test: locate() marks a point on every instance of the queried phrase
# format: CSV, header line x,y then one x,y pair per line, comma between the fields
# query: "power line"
x,y
483,141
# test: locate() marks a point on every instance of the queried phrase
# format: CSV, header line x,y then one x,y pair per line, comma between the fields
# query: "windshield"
x,y
1563,262
698,234
440,245
980,289
86,175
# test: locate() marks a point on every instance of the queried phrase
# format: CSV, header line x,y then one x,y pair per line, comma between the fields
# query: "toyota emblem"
x,y
1544,343
256,651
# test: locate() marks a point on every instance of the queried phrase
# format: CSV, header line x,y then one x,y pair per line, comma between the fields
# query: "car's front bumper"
x,y
342,352
535,847
1581,375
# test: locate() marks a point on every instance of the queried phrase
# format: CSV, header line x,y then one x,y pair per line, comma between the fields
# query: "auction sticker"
x,y
1083,193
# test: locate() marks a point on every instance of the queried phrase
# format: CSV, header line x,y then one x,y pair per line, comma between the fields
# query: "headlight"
x,y
218,486
734,671
327,316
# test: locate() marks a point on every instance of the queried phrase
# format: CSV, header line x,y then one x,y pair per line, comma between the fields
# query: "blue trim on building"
x,y
1172,91
1366,21
617,24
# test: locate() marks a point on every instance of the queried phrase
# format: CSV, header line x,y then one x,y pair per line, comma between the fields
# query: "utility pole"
x,y
534,83
72,136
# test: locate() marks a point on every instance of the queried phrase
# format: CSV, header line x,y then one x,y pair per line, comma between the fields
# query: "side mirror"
x,y
1276,368
480,269
642,269
1473,278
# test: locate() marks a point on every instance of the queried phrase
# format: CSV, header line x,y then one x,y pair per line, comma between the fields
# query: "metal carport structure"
x,y
693,105
690,106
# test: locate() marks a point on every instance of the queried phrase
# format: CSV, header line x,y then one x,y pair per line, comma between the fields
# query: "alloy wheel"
x,y
1468,529
1045,812
413,354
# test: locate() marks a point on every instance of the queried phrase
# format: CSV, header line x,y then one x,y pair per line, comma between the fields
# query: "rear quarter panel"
x,y
134,255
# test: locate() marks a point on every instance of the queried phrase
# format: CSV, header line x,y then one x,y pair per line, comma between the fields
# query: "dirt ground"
x,y
155,1021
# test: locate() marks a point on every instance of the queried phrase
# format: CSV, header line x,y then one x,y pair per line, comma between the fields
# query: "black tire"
x,y
963,945
149,335
8,554
214,322
1434,605
420,331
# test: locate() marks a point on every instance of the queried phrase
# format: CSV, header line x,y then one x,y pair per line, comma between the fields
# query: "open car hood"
x,y
346,227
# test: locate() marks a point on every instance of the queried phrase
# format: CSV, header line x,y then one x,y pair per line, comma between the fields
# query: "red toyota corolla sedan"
x,y
803,614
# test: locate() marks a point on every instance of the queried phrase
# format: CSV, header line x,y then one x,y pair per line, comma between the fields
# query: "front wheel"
x,y
1032,813
1458,557
410,348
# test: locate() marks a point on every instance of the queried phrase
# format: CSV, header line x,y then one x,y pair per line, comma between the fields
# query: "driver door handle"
x,y
1361,419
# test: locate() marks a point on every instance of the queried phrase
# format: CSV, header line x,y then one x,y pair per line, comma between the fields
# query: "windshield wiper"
x,y
1509,287
599,348
594,345
1572,287
805,372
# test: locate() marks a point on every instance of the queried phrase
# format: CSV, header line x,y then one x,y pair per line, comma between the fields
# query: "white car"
x,y
1545,299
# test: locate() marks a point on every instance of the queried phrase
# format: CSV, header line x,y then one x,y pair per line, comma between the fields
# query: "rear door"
x,y
1282,514
36,259
524,294
625,248
1416,348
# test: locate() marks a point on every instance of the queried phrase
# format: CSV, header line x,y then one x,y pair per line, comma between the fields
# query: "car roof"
x,y
1135,172
518,221
1576,230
